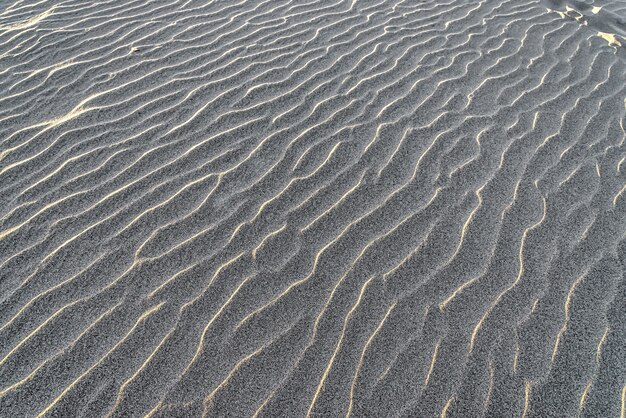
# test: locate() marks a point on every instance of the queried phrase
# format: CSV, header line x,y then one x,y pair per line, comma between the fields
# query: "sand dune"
x,y
305,208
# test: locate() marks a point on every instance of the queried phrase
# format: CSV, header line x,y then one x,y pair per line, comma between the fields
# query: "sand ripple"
x,y
290,208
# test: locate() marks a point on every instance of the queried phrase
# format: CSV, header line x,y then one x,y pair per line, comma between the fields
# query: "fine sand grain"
x,y
312,208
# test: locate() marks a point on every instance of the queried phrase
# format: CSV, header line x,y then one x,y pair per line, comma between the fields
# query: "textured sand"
x,y
320,208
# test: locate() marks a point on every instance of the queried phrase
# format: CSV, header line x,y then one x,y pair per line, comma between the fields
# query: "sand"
x,y
307,208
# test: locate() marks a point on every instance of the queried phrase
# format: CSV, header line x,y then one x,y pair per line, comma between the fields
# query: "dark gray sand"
x,y
290,208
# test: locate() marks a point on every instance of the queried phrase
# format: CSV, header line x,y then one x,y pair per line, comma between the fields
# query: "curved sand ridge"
x,y
290,208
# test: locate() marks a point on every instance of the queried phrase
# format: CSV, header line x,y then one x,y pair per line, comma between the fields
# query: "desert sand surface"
x,y
312,208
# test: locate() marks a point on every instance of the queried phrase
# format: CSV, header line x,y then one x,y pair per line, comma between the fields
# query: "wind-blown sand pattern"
x,y
290,208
